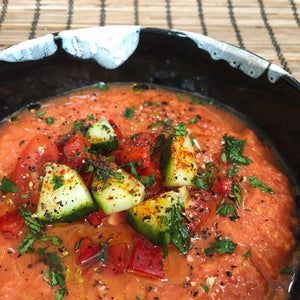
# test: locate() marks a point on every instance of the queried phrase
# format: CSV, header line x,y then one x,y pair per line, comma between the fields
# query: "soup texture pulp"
x,y
136,192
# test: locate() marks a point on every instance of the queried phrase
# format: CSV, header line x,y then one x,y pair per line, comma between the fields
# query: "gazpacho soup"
x,y
137,192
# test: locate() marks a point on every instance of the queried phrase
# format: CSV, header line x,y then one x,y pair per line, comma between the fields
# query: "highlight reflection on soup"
x,y
120,192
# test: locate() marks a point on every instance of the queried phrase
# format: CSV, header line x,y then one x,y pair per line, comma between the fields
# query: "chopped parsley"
x,y
236,194
148,181
49,120
103,172
247,253
233,171
40,113
220,246
55,274
225,209
200,183
256,183
25,196
78,126
180,129
193,120
179,97
90,117
7,186
205,287
160,123
102,86
128,113
233,151
180,235
206,179
197,100
192,138
57,182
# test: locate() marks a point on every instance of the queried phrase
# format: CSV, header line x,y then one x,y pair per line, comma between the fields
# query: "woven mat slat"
x,y
269,28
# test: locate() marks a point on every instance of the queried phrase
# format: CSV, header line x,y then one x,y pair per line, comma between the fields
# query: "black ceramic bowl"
x,y
263,93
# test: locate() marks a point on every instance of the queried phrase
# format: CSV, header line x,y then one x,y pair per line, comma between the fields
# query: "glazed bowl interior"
x,y
261,93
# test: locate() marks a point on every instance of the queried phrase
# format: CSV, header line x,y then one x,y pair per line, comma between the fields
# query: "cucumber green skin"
x,y
157,235
145,218
68,203
106,146
75,215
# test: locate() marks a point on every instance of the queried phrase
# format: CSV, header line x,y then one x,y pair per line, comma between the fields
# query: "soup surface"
x,y
229,235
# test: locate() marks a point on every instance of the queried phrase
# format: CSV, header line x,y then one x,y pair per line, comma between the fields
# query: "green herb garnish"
x,y
200,183
220,246
236,194
256,183
179,97
148,181
90,117
233,151
247,253
129,113
57,182
225,209
49,120
7,186
232,172
25,196
193,120
55,273
40,113
206,289
180,235
180,129
102,86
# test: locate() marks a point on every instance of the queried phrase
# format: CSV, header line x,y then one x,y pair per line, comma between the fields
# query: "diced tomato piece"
x,y
222,186
75,150
134,154
147,258
200,208
11,222
31,166
144,139
96,217
117,259
87,251
118,132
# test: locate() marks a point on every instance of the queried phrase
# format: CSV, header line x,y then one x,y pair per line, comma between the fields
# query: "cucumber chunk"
x,y
102,136
145,218
178,163
64,196
119,191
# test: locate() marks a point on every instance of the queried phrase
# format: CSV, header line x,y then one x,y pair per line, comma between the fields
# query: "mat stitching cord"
x,y
102,13
70,14
295,13
201,17
234,25
3,12
169,17
136,12
272,37
35,21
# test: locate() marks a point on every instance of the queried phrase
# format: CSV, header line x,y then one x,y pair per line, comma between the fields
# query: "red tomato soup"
x,y
121,192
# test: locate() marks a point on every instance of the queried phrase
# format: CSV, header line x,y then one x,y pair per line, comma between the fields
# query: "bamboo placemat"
x,y
269,28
